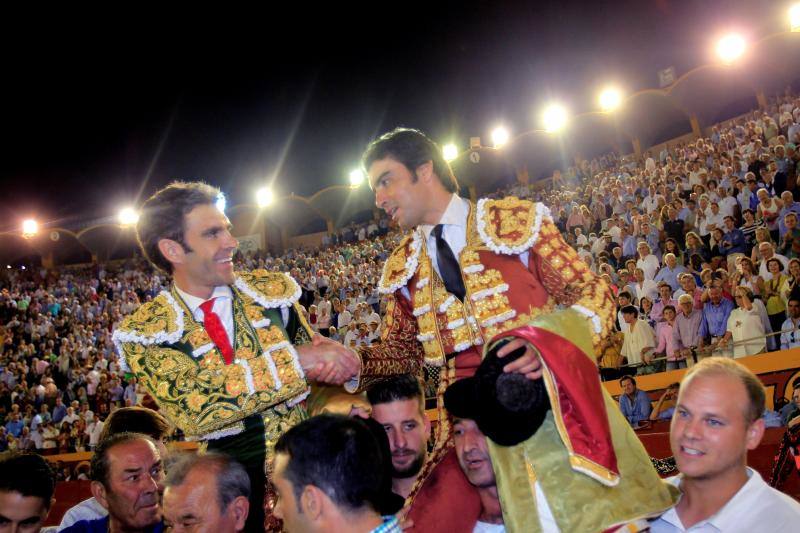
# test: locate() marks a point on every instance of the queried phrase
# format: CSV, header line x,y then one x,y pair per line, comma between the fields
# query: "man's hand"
x,y
327,361
528,364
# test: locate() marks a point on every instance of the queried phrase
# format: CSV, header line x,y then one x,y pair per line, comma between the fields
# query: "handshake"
x,y
328,361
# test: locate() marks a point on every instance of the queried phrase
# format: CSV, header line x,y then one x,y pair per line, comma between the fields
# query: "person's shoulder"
x,y
269,288
401,264
98,525
512,225
160,317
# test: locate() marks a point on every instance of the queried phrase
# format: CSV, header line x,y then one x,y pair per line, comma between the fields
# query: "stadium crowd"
x,y
699,243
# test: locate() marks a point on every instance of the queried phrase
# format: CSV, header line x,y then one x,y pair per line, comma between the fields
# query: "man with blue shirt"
x,y
633,402
789,206
733,243
670,271
714,323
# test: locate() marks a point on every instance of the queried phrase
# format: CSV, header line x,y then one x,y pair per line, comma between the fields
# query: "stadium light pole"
x,y
29,228
610,99
794,17
128,217
730,48
449,152
356,178
264,197
500,136
554,118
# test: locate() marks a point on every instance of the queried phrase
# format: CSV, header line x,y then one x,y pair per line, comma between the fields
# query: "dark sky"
x,y
100,109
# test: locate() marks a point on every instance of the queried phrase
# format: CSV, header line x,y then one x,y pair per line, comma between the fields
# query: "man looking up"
x,y
398,404
206,493
127,475
718,418
27,484
228,338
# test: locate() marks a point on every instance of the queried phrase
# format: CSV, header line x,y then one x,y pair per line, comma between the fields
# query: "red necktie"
x,y
216,330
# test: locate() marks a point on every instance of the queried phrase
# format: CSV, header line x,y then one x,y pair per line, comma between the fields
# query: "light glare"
x,y
450,152
128,216
554,118
264,196
730,48
610,99
356,178
221,202
30,227
500,136
794,17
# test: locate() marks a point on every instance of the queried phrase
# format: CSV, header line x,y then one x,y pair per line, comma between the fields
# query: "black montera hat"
x,y
507,407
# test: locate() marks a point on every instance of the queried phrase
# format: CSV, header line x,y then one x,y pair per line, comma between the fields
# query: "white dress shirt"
x,y
756,507
454,232
223,307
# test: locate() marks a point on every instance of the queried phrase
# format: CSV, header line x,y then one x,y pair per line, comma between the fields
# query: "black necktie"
x,y
448,266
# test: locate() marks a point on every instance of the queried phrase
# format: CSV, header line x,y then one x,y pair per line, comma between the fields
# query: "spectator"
x,y
690,288
790,336
745,327
127,419
665,406
668,342
687,327
639,340
647,261
714,321
771,294
665,299
718,418
207,492
27,485
633,402
314,497
767,252
127,475
644,287
670,271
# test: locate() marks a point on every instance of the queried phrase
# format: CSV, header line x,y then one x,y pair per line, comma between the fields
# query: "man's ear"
x,y
755,433
240,507
425,171
312,502
99,493
171,250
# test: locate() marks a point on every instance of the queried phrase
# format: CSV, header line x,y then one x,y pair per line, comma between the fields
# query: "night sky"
x,y
98,114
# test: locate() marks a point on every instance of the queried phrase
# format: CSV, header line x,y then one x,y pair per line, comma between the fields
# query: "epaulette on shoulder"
x,y
510,225
270,289
401,265
157,321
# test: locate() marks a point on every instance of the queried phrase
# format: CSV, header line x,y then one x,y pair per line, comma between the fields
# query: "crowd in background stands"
x,y
699,243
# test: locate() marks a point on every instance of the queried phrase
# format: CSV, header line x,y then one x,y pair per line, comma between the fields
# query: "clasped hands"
x,y
327,361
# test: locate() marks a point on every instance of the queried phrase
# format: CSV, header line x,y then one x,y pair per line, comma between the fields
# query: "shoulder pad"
x,y
270,289
155,322
401,265
510,225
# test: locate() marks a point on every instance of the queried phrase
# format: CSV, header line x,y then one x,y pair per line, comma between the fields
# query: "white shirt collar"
x,y
194,303
455,215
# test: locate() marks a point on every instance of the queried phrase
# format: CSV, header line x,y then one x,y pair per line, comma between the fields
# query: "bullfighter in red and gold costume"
x,y
519,279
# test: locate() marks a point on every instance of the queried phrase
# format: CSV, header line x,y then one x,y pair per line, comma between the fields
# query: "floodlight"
x,y
794,17
500,136
730,48
356,177
450,152
30,228
610,99
128,216
554,118
264,196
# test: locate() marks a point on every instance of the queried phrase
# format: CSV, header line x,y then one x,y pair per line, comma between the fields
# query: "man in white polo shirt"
x,y
717,419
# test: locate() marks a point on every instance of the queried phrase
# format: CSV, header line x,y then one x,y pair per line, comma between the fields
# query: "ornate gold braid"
x,y
568,279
